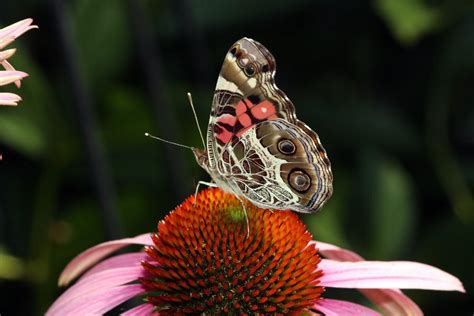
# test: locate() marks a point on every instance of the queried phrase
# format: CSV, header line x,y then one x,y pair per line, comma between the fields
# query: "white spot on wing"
x,y
252,82
223,84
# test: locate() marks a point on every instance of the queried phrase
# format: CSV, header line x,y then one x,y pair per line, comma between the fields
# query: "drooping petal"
x,y
333,252
7,77
17,29
4,42
140,310
96,301
106,279
7,65
9,99
390,301
332,307
92,255
133,259
383,275
7,54
10,67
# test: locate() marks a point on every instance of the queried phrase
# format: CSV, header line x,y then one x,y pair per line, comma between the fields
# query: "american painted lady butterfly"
x,y
256,147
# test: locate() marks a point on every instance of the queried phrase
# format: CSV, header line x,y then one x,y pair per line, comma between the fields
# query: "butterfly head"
x,y
201,158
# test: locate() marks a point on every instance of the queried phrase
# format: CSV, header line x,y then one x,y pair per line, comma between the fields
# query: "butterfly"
x,y
256,147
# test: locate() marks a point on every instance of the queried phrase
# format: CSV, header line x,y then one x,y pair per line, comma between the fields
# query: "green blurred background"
x,y
387,85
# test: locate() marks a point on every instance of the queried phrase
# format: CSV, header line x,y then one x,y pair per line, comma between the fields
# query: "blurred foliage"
x,y
387,85
409,20
10,267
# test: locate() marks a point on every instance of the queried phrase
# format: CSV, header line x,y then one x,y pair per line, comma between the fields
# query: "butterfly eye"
x,y
286,147
249,70
299,180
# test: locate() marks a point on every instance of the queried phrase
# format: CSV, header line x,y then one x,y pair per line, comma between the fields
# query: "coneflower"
x,y
201,261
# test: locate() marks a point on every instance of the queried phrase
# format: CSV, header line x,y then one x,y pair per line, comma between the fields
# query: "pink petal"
x,y
121,261
17,29
144,309
96,283
336,253
101,281
7,77
392,274
97,301
331,307
92,255
9,67
5,41
392,302
7,54
9,99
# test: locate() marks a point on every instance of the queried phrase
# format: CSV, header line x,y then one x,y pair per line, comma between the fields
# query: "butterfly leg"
x,y
245,214
209,184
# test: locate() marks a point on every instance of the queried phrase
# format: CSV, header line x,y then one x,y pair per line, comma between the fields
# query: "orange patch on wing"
x,y
240,108
227,119
263,110
224,136
245,120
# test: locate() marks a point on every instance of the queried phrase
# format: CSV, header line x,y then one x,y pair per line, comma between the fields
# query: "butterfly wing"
x,y
277,164
246,96
246,93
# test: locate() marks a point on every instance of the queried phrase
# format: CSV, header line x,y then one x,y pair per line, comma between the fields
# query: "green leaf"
x,y
11,267
22,134
409,20
102,38
393,209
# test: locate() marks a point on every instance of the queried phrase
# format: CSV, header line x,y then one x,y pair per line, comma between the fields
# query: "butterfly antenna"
x,y
169,142
190,98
